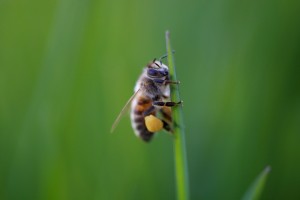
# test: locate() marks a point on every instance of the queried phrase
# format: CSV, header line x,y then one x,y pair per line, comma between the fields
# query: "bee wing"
x,y
124,109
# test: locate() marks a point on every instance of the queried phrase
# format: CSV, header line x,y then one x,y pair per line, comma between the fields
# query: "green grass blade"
x,y
255,190
181,166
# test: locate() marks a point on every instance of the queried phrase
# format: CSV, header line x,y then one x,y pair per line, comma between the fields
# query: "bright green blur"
x,y
67,67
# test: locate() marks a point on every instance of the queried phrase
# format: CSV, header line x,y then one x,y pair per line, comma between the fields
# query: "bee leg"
x,y
167,126
168,104
171,82
148,111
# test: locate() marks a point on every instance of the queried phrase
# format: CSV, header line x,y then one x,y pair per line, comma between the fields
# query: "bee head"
x,y
157,70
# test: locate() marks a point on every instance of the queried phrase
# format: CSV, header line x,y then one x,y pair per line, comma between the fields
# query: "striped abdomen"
x,y
138,106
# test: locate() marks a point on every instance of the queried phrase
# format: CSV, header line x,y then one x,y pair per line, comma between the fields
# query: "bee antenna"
x,y
154,62
157,64
164,56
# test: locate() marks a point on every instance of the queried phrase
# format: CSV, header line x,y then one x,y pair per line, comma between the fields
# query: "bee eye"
x,y
152,72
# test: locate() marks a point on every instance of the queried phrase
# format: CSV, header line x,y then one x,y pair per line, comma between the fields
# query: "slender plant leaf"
x,y
179,134
256,188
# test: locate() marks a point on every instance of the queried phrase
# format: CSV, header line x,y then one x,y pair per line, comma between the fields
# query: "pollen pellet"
x,y
153,124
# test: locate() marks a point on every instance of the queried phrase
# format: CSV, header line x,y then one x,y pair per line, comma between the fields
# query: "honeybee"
x,y
150,103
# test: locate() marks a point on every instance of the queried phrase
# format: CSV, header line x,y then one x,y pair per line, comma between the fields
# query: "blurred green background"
x,y
67,68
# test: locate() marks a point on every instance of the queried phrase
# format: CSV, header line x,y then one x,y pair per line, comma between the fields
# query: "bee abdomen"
x,y
141,129
138,119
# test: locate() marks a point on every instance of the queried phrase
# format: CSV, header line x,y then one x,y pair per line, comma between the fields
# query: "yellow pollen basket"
x,y
153,124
